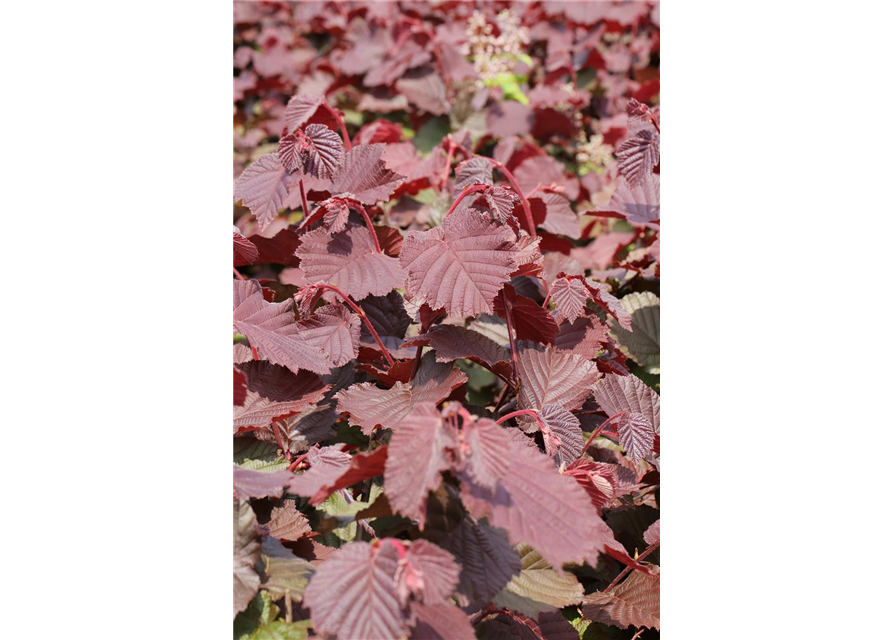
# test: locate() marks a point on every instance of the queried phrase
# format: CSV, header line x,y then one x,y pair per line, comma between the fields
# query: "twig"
x,y
285,450
508,321
337,115
304,198
531,227
523,412
362,210
238,275
353,305
468,190
599,430
628,568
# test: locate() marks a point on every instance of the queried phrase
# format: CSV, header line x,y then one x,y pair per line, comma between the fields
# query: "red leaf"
x,y
531,321
416,460
349,261
244,251
430,574
275,393
586,336
636,434
362,467
240,388
335,330
476,170
615,393
652,533
564,440
324,151
272,330
560,218
246,552
327,465
460,266
570,297
426,90
451,342
369,406
263,188
549,376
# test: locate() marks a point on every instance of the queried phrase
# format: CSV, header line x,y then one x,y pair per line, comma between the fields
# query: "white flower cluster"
x,y
493,54
594,150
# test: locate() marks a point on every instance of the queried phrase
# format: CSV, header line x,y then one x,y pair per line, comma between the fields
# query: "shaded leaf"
x,y
335,330
615,393
440,622
364,177
287,523
274,393
369,406
249,483
488,560
642,344
246,551
538,587
485,451
640,204
636,601
416,460
549,376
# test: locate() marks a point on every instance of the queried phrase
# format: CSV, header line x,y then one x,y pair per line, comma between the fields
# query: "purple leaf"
x,y
585,336
636,435
560,218
364,177
244,251
488,560
249,483
564,440
460,266
637,157
349,261
635,602
417,457
451,342
570,297
272,330
549,376
652,533
274,393
535,504
476,170
615,393
353,594
369,406
335,330
263,188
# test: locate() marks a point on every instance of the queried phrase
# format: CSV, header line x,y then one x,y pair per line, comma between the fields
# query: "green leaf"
x,y
257,455
339,517
430,134
285,572
353,117
508,82
539,587
642,344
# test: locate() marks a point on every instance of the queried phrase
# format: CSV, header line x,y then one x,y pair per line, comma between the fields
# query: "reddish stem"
x,y
628,568
523,412
254,353
285,451
596,433
299,460
546,301
337,115
531,227
304,199
472,188
357,310
508,322
238,275
369,224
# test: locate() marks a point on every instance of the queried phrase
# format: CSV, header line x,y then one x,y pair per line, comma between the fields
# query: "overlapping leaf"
x,y
550,376
642,344
640,204
274,393
564,440
369,406
249,483
488,560
246,551
335,330
635,602
538,587
416,459
636,434
349,261
460,266
615,393
637,156
364,177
